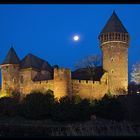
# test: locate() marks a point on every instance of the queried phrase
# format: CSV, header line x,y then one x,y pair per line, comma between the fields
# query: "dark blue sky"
x,y
47,30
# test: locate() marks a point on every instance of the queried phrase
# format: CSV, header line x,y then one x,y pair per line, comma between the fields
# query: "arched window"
x,y
112,71
109,36
112,35
112,47
118,36
112,59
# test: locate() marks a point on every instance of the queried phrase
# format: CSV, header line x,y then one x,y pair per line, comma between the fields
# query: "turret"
x,y
114,42
62,82
10,72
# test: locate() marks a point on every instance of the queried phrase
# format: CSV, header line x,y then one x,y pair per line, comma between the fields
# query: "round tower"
x,y
114,42
62,82
10,72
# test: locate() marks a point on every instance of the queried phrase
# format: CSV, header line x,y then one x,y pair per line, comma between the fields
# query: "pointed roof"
x,y
46,65
114,24
32,61
40,77
11,57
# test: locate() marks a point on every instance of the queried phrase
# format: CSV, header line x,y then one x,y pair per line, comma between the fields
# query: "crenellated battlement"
x,y
85,82
91,82
62,74
44,82
62,70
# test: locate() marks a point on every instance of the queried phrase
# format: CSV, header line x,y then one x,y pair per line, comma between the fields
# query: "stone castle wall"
x,y
90,89
61,84
64,85
115,62
10,77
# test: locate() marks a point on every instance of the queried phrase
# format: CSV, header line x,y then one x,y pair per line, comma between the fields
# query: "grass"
x,y
98,127
111,129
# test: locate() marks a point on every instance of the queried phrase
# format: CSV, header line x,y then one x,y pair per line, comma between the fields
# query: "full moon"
x,y
76,38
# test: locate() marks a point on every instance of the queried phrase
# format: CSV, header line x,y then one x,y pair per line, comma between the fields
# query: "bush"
x,y
64,109
38,106
72,109
110,108
84,110
8,106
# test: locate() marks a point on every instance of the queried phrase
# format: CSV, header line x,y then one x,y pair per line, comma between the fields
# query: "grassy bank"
x,y
18,126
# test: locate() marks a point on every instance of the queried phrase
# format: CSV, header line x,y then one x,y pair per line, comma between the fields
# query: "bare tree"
x,y
135,74
90,63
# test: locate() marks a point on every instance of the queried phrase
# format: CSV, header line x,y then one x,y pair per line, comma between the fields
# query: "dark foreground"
x,y
20,127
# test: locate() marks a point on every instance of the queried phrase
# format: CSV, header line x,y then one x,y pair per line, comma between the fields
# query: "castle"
x,y
33,73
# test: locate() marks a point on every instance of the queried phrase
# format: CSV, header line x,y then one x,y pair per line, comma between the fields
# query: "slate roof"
x,y
114,24
11,57
32,61
83,74
41,77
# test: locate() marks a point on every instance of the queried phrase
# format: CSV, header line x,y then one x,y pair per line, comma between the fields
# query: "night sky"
x,y
47,30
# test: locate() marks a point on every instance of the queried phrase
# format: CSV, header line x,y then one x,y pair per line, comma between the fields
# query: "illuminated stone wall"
x,y
37,86
62,82
115,62
90,89
28,85
10,77
63,85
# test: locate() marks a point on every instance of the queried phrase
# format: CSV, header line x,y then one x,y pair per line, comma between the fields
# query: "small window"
x,y
112,71
14,67
112,59
118,36
6,68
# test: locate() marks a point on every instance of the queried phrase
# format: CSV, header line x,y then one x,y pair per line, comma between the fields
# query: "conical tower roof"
x,y
114,24
11,57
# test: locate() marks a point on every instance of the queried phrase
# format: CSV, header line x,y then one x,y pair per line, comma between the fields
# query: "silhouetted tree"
x,y
72,109
8,106
89,62
110,108
135,74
